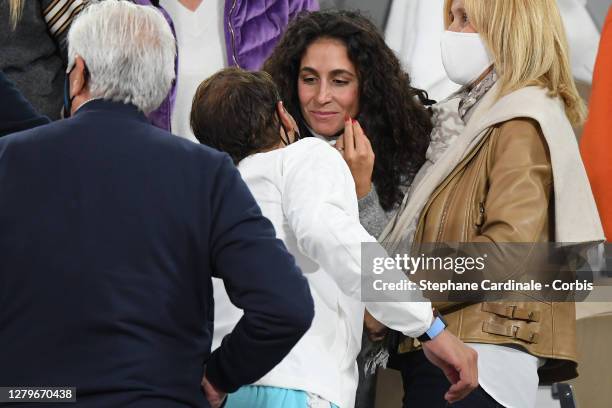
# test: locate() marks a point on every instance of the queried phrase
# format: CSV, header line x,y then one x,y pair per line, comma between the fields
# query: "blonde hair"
x,y
15,8
527,41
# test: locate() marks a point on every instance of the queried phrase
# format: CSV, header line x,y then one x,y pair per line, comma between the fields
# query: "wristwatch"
x,y
437,327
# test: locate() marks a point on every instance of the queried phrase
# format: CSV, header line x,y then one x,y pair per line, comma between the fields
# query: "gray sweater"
x,y
33,54
372,216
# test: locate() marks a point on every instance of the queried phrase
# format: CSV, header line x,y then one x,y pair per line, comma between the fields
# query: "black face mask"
x,y
66,111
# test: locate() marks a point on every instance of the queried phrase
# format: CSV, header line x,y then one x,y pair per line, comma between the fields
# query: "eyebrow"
x,y
333,72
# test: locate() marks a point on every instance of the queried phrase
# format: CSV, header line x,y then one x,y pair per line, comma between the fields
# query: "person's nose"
x,y
324,94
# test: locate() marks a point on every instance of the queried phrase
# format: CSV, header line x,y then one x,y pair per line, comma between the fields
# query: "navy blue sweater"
x,y
110,231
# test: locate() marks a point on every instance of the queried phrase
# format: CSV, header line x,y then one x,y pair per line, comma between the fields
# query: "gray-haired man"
x,y
110,231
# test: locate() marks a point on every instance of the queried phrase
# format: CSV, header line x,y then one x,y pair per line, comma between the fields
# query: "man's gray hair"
x,y
129,51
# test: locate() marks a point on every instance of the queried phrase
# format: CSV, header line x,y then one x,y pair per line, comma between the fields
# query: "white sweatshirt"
x,y
307,191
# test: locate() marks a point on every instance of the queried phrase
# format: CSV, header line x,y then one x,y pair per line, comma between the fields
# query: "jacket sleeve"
x,y
261,278
517,207
320,203
16,113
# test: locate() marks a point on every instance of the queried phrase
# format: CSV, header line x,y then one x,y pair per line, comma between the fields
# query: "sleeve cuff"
x,y
369,200
217,377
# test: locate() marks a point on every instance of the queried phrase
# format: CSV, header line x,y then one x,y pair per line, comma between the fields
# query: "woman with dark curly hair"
x,y
343,84
334,65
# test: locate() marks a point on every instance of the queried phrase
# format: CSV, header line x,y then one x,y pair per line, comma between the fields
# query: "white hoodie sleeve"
x,y
320,204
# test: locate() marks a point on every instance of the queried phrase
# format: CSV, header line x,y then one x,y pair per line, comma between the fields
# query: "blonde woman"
x,y
33,48
502,149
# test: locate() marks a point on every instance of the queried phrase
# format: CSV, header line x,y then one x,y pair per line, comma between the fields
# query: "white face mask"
x,y
464,56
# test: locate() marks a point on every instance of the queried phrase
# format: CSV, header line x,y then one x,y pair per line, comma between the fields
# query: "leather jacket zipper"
x,y
481,215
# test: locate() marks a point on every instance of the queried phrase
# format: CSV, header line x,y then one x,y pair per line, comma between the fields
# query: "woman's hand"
x,y
374,329
357,151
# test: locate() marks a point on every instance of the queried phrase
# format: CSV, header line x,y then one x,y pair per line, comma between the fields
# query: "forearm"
x,y
336,244
262,280
255,346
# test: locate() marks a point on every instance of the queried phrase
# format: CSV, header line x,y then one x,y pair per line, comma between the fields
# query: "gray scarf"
x,y
449,119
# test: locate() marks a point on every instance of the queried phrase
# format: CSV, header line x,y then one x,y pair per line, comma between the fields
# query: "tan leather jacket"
x,y
502,192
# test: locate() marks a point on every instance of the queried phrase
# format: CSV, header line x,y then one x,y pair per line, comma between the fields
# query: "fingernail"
x,y
354,121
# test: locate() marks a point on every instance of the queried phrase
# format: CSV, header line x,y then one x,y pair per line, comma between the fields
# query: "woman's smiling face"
x,y
328,86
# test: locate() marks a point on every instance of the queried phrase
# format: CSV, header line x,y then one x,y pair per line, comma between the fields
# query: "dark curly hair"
x,y
232,96
392,112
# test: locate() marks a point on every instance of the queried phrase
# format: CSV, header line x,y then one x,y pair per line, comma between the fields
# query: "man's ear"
x,y
78,77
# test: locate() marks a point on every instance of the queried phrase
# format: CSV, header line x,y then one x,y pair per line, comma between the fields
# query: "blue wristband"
x,y
436,328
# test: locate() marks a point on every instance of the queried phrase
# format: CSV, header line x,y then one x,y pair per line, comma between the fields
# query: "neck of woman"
x,y
481,77
191,5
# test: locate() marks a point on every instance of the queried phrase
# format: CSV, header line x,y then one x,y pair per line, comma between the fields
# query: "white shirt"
x,y
508,374
307,191
201,50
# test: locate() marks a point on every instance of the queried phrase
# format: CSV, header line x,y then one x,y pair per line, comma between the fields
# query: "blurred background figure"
x,y
595,318
413,30
214,34
595,143
33,48
582,36
210,35
377,11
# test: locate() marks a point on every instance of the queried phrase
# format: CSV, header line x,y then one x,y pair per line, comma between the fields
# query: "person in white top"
x,y
213,34
199,34
307,191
